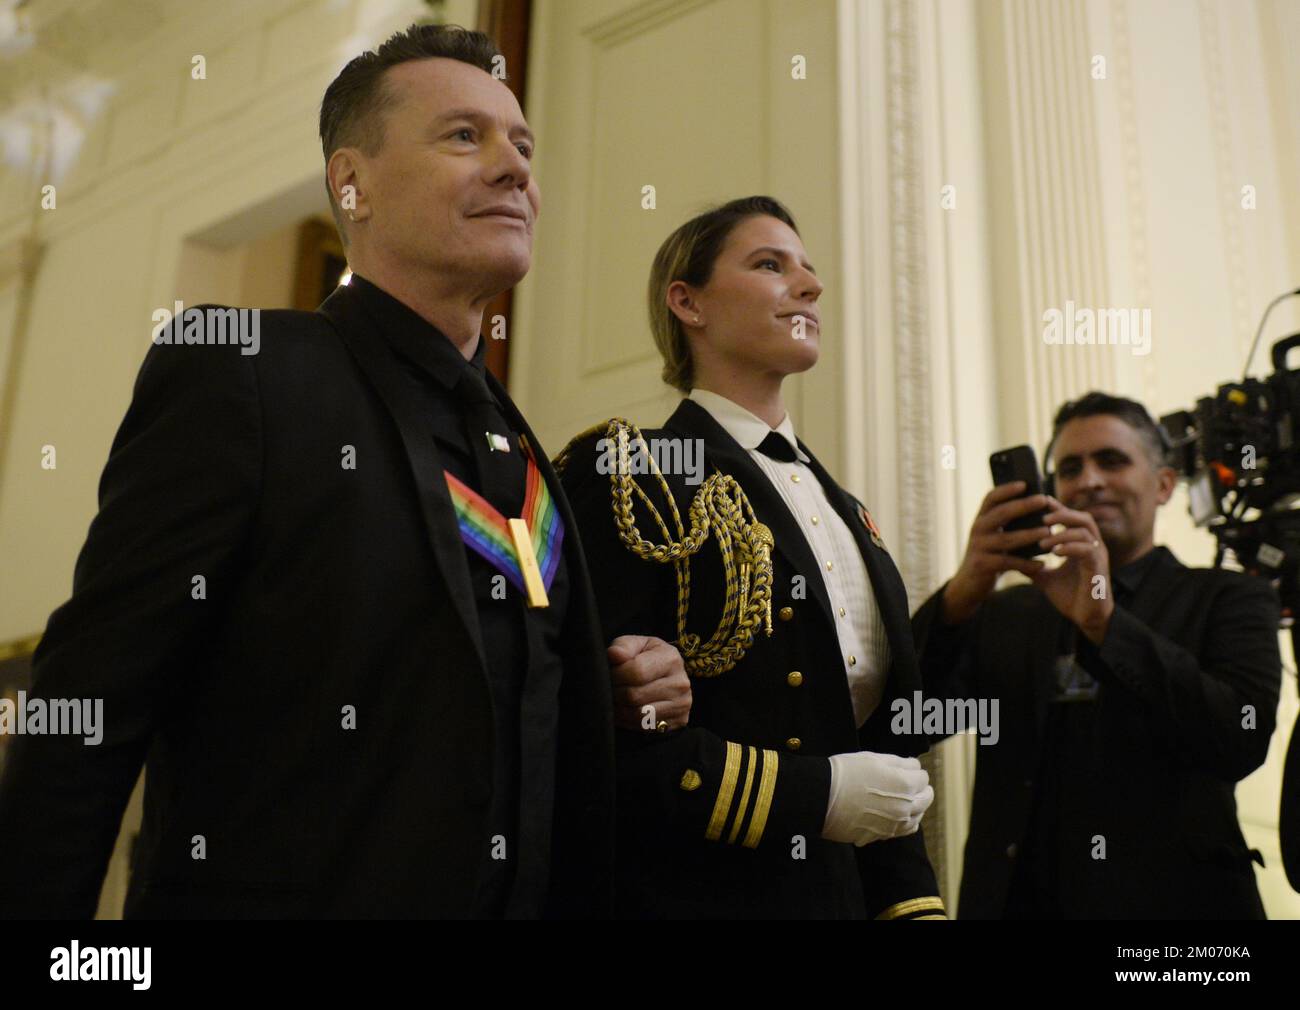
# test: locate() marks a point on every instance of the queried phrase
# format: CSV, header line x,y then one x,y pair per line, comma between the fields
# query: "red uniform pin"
x,y
871,526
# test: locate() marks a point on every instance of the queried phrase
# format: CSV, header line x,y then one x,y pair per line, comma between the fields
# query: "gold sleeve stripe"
x,y
722,805
762,805
906,908
744,795
915,917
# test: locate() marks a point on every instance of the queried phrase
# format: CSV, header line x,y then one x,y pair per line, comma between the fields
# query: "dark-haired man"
x,y
1133,692
388,698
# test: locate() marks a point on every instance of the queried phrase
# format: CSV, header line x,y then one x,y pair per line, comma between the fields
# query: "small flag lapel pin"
x,y
497,443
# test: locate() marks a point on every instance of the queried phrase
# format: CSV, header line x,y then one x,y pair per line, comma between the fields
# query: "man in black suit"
x,y
1134,693
349,698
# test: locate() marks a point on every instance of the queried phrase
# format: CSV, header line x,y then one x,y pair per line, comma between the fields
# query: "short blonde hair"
x,y
688,255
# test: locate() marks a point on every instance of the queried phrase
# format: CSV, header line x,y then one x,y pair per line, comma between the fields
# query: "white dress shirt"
x,y
864,646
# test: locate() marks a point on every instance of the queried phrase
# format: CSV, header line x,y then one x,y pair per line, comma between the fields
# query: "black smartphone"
x,y
1019,463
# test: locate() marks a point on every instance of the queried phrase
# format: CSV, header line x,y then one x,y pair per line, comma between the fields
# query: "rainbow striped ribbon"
x,y
486,533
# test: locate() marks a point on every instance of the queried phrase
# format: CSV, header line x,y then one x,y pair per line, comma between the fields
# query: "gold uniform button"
x,y
841,611
690,780
786,613
794,743
815,520
794,477
830,566
853,661
794,678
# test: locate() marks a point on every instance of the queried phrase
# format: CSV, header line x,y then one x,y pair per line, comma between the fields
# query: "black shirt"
x,y
1060,834
1188,678
522,649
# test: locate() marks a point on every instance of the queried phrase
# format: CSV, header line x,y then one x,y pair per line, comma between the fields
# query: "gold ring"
x,y
662,727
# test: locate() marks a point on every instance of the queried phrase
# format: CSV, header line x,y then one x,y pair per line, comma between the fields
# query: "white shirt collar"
x,y
746,428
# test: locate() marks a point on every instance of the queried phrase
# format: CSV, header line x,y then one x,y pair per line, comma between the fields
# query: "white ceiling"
x,y
85,35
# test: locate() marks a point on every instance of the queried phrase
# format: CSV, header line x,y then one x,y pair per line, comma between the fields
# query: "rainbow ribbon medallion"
x,y
488,533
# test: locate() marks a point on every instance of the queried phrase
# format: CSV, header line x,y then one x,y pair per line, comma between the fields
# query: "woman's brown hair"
x,y
688,255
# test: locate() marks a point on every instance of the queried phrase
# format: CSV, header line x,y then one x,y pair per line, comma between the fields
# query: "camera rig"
x,y
1237,450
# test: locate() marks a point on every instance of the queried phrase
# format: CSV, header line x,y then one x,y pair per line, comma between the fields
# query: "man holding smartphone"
x,y
1134,692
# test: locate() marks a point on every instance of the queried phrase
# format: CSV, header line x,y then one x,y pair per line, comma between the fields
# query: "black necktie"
x,y
777,446
499,459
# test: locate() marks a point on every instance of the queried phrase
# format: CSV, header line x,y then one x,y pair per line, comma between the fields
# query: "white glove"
x,y
875,797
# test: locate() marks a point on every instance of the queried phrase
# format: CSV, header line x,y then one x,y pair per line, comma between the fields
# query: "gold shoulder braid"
x,y
744,543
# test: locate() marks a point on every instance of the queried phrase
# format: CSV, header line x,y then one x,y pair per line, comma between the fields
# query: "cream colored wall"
x,y
175,177
259,272
694,98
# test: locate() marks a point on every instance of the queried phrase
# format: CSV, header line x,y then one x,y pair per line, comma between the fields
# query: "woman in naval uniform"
x,y
787,795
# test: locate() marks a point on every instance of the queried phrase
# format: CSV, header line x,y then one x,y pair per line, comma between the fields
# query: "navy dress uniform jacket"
x,y
723,819
326,587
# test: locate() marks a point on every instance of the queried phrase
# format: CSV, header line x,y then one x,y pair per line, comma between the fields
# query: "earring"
x,y
697,320
351,216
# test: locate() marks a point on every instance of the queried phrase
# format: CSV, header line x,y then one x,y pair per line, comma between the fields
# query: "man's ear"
x,y
344,171
1166,481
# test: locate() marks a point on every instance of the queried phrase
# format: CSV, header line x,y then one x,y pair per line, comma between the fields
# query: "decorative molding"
x,y
1225,172
909,290
18,257
1134,188
638,19
1055,193
887,339
27,255
909,298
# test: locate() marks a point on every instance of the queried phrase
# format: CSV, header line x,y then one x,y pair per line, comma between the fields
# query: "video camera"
x,y
1238,452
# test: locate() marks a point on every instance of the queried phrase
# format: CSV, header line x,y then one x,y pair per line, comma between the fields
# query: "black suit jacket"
x,y
667,866
328,591
1175,669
